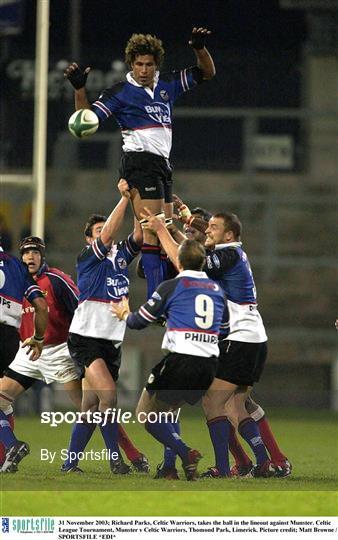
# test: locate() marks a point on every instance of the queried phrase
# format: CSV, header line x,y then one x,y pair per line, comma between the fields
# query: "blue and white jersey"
x,y
193,305
102,278
144,114
228,264
16,283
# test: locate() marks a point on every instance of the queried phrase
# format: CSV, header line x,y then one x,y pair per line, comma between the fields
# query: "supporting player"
x,y
193,306
94,341
142,106
240,367
16,284
243,463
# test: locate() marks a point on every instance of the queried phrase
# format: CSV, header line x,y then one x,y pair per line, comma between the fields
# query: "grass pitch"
x,y
309,439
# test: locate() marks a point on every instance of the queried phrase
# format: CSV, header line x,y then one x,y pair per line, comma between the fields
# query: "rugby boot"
x,y
265,470
190,465
12,469
14,455
169,473
241,470
213,472
283,469
71,469
141,464
118,466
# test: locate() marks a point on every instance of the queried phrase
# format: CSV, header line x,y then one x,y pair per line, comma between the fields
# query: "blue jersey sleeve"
x,y
109,102
220,261
31,289
129,248
153,308
183,80
92,255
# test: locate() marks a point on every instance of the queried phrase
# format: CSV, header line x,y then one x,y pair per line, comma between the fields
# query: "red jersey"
x,y
61,295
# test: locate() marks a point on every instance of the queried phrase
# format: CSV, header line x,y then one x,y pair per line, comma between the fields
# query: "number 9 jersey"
x,y
193,305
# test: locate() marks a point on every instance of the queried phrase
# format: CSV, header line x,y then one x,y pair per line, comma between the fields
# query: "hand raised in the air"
x,y
76,77
199,37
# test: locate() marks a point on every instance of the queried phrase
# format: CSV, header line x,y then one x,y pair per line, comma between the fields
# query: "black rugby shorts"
x,y
241,363
9,344
182,377
149,173
84,350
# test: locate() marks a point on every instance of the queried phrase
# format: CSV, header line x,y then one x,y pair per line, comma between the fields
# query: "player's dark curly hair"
x,y
140,44
231,223
92,220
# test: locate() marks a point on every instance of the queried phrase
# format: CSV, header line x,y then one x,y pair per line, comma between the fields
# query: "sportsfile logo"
x,y
28,525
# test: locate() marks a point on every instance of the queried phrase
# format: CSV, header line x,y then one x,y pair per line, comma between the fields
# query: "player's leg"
x,y
248,429
279,459
15,450
82,431
164,432
167,469
101,382
151,251
214,407
138,460
243,463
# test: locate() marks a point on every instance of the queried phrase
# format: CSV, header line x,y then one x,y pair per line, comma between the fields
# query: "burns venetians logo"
x,y
159,112
117,286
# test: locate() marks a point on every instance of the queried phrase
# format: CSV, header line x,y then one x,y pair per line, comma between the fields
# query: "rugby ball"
x,y
83,123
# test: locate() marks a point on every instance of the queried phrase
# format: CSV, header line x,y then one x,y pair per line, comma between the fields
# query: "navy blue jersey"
x,y
143,114
16,283
102,278
193,306
228,264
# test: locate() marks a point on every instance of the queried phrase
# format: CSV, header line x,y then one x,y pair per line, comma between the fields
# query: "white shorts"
x,y
54,365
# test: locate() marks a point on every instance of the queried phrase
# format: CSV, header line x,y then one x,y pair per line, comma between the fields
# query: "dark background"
x,y
257,48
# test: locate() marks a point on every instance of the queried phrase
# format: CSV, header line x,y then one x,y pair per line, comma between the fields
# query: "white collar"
x,y
192,273
229,244
131,80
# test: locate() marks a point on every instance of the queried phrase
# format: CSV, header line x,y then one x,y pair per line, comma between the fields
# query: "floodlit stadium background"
x,y
259,140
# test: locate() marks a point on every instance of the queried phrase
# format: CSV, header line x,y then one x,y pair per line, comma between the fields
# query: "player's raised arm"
x,y
78,79
204,59
168,243
115,219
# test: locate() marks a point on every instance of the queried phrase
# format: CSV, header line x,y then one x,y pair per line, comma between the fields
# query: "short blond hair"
x,y
141,44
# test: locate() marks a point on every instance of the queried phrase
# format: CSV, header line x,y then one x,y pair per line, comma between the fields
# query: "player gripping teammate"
x,y
94,342
241,366
193,306
16,285
142,106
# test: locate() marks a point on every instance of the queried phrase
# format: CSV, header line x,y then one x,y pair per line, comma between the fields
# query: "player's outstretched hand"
x,y
34,347
123,187
199,37
76,77
120,309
